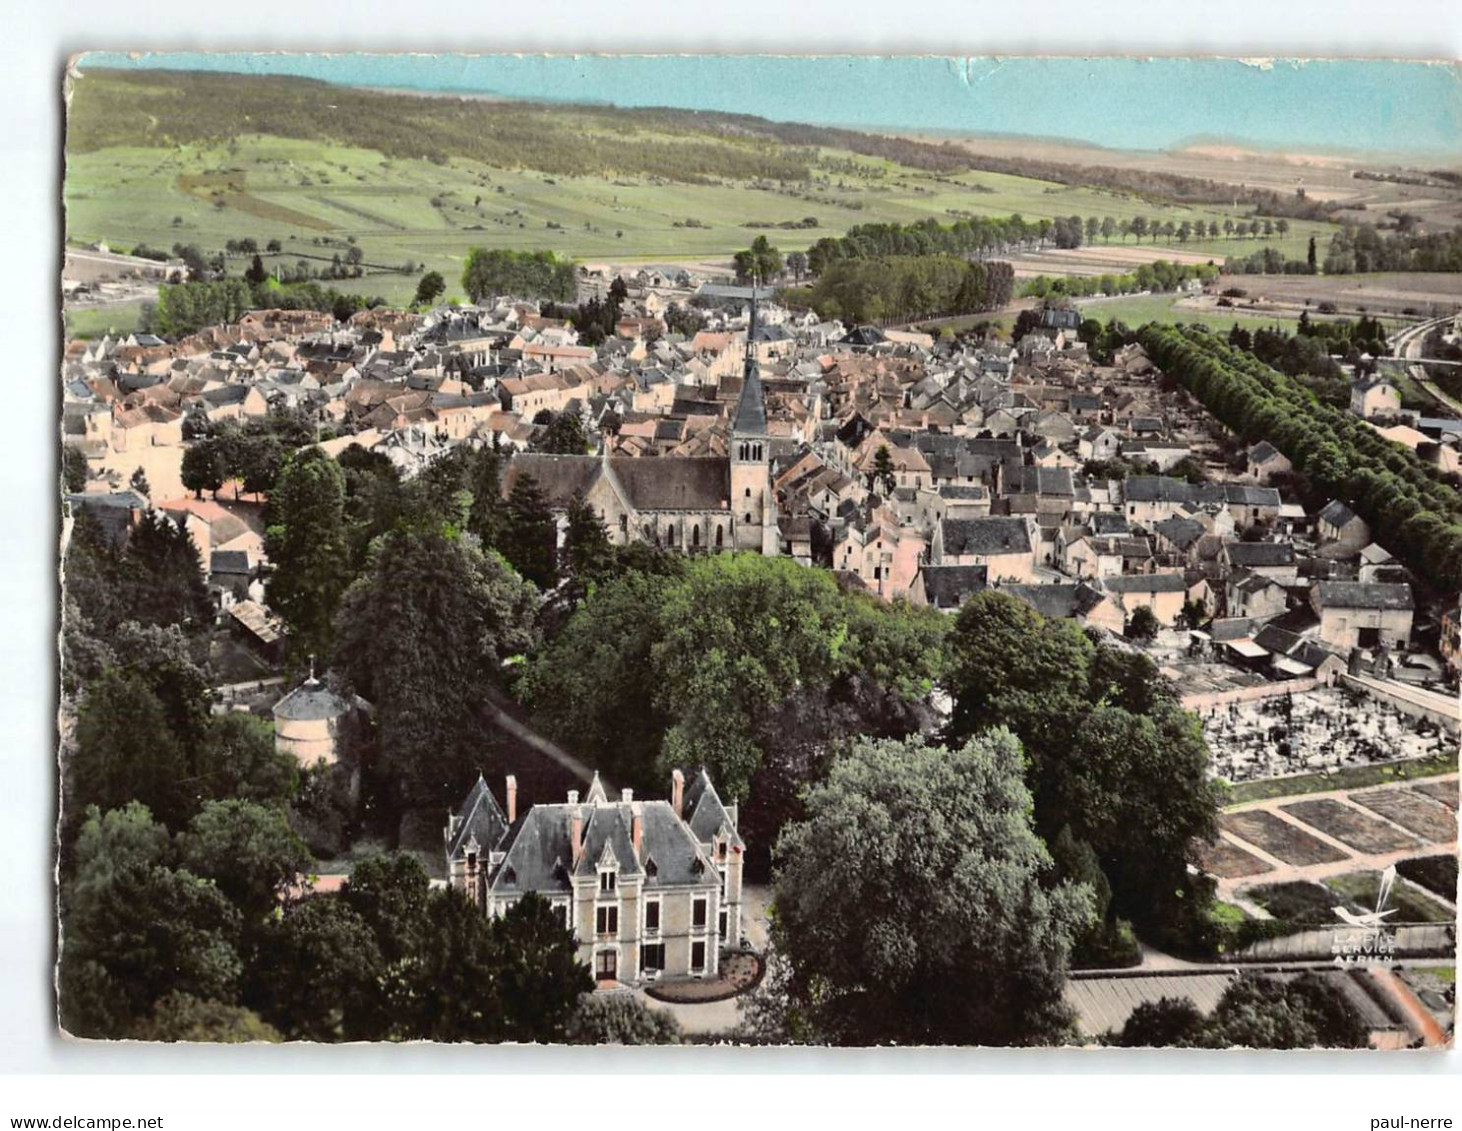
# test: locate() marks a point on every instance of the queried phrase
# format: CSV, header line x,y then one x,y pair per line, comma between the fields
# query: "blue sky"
x,y
1116,102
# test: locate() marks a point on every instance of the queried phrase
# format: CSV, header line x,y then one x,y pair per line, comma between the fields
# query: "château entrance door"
x,y
605,966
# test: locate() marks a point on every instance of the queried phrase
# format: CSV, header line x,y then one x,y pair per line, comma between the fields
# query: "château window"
x,y
606,881
606,920
721,924
652,958
698,913
698,958
652,915
748,492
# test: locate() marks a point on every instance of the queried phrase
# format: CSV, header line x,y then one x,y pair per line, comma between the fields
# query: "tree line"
x,y
526,274
1159,275
905,287
1412,506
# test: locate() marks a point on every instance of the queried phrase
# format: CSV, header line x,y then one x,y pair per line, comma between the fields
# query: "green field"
x,y
95,321
1352,777
161,159
1138,309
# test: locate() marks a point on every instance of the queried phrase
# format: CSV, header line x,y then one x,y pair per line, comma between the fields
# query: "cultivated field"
x,y
1350,826
1411,810
1279,838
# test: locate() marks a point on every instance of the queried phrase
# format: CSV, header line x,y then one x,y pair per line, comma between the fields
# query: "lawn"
x,y
1353,777
95,321
1359,890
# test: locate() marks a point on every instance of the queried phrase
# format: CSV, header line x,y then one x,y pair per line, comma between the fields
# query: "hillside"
x,y
159,158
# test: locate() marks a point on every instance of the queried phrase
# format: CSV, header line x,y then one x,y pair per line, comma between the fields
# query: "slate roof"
x,y
948,587
539,856
1253,555
1061,602
1363,595
311,700
1336,514
1180,532
750,418
1146,583
1263,452
477,818
1048,481
707,814
229,561
986,536
699,483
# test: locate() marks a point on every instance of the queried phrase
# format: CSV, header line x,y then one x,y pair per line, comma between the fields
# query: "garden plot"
x,y
1423,815
1443,791
1279,838
1350,826
1315,731
1437,874
1411,906
1228,861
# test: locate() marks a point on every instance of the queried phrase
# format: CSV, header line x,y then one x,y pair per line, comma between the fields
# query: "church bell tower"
x,y
753,508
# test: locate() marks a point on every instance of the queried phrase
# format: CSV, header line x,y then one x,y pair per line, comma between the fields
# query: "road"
x,y
1406,346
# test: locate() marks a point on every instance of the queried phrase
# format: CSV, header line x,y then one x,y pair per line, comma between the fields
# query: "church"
x,y
694,504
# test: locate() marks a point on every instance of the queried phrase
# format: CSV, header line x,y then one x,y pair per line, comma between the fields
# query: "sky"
x,y
1121,103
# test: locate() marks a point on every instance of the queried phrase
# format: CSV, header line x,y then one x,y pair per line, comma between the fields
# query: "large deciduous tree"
x,y
916,904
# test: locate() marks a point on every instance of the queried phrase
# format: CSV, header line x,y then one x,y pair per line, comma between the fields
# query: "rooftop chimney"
x,y
512,799
626,794
637,829
677,792
576,833
573,797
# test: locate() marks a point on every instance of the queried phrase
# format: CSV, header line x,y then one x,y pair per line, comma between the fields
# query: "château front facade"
x,y
649,889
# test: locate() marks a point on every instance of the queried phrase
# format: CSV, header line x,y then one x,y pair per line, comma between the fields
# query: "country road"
x,y
1406,346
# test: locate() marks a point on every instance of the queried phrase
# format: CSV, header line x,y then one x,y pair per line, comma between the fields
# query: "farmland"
x,y
129,181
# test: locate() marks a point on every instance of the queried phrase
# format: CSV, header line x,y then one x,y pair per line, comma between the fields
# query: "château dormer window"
x,y
607,881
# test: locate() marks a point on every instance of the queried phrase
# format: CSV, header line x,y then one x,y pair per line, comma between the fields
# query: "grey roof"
x,y
948,587
1252,555
1049,481
1336,513
311,700
1146,583
477,818
539,852
1181,532
1106,522
668,483
750,418
1263,452
229,561
707,815
1363,595
986,536
1060,602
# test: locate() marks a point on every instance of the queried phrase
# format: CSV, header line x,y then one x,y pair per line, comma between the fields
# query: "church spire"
x,y
750,418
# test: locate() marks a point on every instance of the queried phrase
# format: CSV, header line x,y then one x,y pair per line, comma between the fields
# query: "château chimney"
x,y
626,794
637,829
576,831
677,792
512,799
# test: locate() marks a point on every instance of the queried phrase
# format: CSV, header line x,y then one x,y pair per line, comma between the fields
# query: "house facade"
x,y
648,889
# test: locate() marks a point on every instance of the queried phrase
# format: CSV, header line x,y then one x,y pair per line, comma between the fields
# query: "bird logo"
x,y
1370,920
